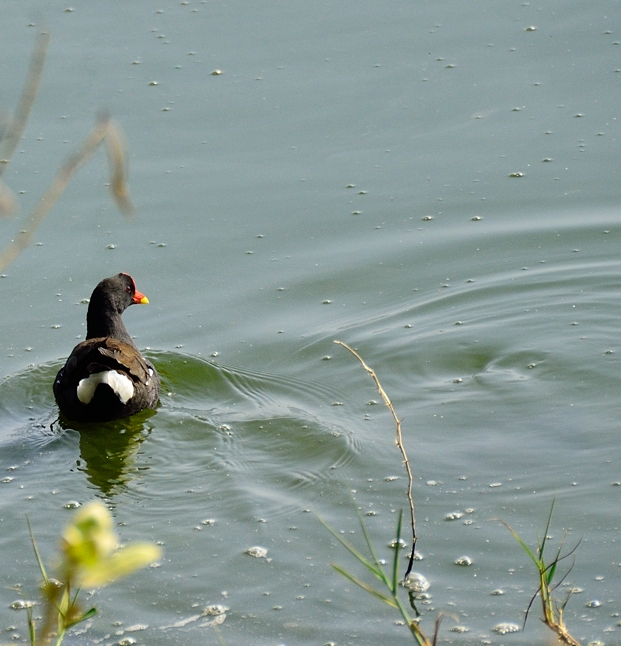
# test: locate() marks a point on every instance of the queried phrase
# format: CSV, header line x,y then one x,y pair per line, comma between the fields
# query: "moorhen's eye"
x,y
128,289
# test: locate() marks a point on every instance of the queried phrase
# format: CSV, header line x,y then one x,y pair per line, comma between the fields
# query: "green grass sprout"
x,y
388,577
551,608
88,558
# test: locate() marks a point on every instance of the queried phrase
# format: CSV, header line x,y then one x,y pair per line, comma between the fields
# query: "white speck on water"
x,y
506,627
416,582
463,561
459,629
256,552
136,628
21,604
455,515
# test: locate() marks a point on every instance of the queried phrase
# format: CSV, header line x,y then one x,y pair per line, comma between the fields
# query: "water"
x,y
347,176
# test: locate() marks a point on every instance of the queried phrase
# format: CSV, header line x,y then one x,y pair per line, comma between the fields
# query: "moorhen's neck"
x,y
102,320
106,324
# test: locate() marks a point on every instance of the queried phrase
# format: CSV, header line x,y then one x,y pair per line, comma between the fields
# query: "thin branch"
x,y
103,130
15,128
12,128
399,444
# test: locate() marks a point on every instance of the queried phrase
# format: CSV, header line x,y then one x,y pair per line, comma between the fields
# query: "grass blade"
x,y
395,563
365,586
375,569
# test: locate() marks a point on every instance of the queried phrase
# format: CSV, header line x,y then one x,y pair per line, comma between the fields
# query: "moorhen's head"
x,y
116,294
108,301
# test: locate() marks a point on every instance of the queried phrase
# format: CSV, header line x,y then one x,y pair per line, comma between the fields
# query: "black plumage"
x,y
106,377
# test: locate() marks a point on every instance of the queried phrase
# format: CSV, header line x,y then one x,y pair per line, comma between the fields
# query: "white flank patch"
x,y
121,385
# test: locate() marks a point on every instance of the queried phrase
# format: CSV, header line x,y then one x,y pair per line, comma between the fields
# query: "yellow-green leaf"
x,y
120,564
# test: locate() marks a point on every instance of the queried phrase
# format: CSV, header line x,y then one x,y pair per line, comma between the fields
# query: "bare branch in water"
x,y
116,146
14,127
399,444
8,201
10,135
103,130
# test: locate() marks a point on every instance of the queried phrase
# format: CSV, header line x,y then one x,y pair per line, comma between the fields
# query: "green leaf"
x,y
535,559
36,550
120,564
395,563
376,593
87,615
374,569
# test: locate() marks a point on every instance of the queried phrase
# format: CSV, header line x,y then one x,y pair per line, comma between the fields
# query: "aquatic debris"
x,y
257,552
463,561
459,629
136,628
215,610
518,174
416,582
21,604
454,515
506,627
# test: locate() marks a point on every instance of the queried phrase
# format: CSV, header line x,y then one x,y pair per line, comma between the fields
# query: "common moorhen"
x,y
105,376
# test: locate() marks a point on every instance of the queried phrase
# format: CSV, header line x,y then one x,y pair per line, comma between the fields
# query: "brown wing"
x,y
122,356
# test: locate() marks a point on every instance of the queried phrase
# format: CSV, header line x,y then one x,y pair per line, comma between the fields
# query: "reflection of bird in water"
x,y
108,454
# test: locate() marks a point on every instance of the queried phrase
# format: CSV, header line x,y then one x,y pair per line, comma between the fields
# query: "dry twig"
x,y
398,443
104,130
